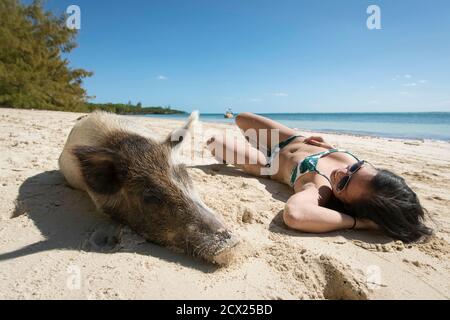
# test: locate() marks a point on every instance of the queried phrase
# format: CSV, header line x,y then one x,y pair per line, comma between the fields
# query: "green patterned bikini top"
x,y
309,164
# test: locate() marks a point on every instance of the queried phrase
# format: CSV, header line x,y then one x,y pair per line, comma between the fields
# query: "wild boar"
x,y
133,178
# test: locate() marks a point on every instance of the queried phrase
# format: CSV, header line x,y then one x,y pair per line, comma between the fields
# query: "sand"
x,y
55,245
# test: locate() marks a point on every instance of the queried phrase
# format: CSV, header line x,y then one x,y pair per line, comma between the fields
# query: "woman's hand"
x,y
318,141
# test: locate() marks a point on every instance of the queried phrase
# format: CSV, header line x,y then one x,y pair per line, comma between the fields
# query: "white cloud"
x,y
255,100
413,84
280,94
406,76
423,81
372,87
404,92
161,77
374,102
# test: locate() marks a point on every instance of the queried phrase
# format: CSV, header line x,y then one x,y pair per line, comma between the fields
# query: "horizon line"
x,y
343,112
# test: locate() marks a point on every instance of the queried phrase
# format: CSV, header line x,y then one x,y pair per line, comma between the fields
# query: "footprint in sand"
x,y
340,283
248,215
321,276
105,238
389,247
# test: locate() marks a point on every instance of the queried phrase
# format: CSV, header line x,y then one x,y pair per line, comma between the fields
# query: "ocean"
x,y
421,125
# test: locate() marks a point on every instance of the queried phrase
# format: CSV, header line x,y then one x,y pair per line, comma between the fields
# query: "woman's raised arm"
x,y
303,212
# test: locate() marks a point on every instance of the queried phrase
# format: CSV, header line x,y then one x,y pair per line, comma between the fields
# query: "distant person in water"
x,y
334,189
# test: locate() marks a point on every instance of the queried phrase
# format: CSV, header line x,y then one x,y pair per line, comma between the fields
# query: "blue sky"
x,y
266,56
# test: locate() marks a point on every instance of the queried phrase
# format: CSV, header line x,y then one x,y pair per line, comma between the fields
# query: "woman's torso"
x,y
296,151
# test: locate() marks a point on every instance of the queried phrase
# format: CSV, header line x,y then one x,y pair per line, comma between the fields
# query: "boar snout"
x,y
225,252
217,248
211,240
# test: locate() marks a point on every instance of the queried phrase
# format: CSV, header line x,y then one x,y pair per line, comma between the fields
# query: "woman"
x,y
333,188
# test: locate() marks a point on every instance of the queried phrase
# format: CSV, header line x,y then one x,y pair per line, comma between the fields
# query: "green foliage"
x,y
129,108
32,72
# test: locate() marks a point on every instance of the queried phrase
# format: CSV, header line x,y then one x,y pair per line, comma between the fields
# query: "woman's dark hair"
x,y
393,206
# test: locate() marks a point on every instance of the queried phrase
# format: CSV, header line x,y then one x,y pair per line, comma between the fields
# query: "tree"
x,y
33,74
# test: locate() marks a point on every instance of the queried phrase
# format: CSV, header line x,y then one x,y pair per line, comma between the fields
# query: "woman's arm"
x,y
302,212
318,141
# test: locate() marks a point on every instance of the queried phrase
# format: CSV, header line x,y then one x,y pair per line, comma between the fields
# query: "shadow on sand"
x,y
68,219
282,192
371,237
278,190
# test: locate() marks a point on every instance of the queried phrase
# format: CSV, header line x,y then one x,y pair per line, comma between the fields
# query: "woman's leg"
x,y
262,129
231,150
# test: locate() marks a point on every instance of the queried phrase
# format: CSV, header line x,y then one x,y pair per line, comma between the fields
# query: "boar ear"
x,y
103,170
178,135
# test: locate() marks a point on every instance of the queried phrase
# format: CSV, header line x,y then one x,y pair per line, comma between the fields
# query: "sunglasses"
x,y
350,172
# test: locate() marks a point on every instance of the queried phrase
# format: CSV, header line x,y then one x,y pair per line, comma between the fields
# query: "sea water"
x,y
421,125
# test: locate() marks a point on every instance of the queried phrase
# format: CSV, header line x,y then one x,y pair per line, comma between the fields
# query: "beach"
x,y
54,244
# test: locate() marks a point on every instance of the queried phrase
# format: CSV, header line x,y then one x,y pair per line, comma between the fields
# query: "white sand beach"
x,y
50,233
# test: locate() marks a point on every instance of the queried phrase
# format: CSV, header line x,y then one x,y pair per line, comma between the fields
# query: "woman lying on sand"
x,y
326,181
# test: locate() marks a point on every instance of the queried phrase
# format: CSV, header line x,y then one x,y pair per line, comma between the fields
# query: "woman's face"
x,y
358,185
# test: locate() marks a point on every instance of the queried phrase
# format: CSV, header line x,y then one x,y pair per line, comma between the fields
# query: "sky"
x,y
265,56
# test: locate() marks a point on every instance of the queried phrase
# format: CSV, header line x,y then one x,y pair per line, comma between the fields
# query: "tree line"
x,y
129,108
